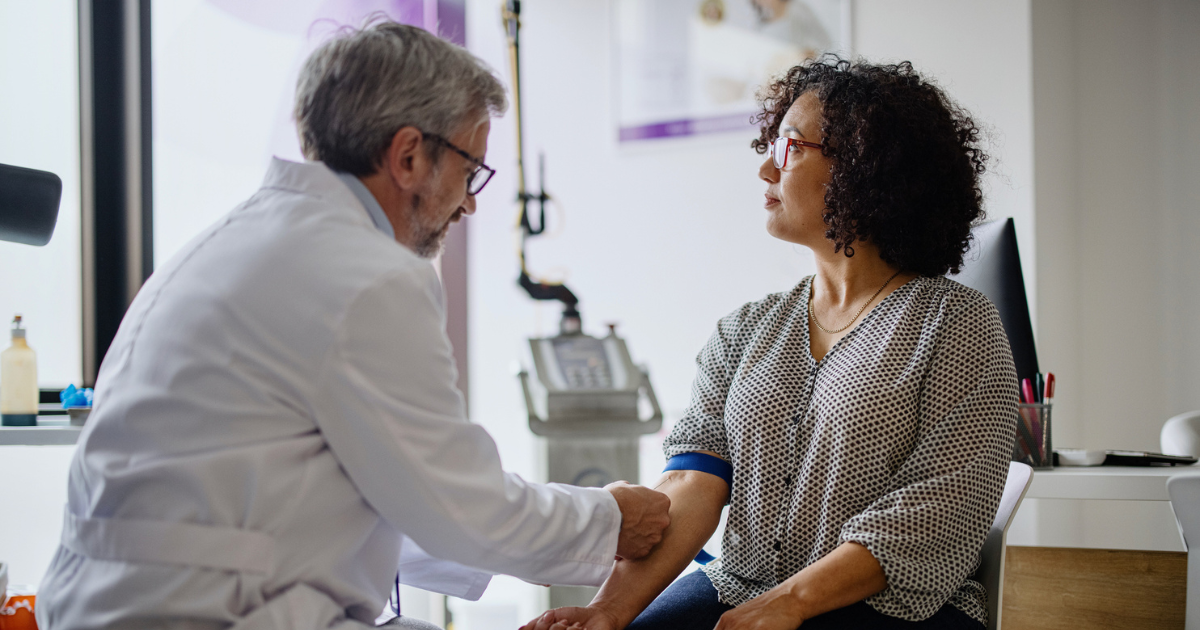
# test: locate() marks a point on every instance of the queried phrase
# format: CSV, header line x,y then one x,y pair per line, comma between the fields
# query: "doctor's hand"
x,y
643,518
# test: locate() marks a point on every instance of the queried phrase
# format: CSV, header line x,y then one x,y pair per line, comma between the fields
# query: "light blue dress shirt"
x,y
364,195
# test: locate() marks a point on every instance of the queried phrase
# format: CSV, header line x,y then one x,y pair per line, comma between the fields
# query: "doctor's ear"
x,y
405,159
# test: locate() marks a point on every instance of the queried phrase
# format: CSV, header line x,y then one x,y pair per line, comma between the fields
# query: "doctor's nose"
x,y
469,205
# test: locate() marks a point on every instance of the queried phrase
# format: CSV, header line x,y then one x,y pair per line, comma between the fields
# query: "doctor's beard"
x,y
428,236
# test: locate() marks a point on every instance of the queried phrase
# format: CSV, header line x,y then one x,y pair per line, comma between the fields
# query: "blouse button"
x,y
777,546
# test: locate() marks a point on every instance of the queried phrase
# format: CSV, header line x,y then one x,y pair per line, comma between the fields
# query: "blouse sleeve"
x,y
927,530
702,427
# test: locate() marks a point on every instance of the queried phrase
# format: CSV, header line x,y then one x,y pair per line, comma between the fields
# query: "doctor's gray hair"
x,y
357,90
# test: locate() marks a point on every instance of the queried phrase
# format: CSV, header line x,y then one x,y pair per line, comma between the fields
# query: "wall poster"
x,y
690,67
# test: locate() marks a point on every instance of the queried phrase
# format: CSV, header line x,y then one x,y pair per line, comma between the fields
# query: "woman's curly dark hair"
x,y
906,160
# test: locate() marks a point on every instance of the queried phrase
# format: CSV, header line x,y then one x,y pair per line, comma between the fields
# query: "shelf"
x,y
49,432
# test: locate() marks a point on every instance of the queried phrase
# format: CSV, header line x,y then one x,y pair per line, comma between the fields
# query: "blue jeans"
x,y
691,604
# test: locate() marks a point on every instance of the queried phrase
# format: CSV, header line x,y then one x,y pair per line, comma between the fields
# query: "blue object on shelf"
x,y
74,397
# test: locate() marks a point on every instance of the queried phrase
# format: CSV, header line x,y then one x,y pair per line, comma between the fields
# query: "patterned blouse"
x,y
899,439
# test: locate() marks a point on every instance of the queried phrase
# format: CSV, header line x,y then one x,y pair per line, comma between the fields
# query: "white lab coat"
x,y
276,413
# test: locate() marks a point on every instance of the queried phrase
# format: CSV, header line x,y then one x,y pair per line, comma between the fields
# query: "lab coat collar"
x,y
368,200
317,180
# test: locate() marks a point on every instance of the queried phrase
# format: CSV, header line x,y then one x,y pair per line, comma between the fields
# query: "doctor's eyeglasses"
x,y
478,177
781,146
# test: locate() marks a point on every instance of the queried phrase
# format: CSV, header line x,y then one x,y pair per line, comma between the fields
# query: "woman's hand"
x,y
846,575
572,618
777,609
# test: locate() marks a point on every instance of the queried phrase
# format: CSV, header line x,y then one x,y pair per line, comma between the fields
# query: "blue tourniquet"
x,y
704,463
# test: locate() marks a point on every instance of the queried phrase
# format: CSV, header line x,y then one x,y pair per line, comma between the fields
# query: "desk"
x,y
1096,547
1102,507
1113,483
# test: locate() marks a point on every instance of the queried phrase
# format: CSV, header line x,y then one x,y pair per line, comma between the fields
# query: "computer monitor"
x,y
993,267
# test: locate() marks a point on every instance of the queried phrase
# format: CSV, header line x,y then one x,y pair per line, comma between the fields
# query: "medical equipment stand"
x,y
587,387
585,403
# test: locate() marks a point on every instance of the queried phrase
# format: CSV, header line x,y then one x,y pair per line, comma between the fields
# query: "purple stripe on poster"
x,y
687,127
452,21
447,17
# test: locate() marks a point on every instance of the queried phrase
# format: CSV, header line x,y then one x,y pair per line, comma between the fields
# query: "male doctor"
x,y
277,417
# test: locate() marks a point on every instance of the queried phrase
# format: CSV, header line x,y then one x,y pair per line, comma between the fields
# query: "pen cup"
x,y
1033,445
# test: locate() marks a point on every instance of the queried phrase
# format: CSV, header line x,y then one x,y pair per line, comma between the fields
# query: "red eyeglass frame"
x,y
790,142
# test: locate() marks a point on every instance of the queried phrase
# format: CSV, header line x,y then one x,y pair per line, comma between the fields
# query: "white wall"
x,y
1179,154
1117,88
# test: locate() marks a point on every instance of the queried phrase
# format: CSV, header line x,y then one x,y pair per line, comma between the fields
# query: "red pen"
x,y
1049,393
1027,391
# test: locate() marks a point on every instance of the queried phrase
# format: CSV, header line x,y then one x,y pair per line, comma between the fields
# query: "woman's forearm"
x,y
847,575
696,502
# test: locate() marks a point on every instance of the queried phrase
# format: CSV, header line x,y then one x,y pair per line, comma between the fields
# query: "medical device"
x,y
585,401
586,394
589,388
537,289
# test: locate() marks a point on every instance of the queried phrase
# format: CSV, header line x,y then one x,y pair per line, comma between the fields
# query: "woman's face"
x,y
795,196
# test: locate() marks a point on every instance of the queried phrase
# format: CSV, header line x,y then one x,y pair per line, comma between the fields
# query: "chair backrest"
x,y
991,559
1184,491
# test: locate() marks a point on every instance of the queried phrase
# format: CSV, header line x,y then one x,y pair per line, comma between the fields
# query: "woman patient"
x,y
866,415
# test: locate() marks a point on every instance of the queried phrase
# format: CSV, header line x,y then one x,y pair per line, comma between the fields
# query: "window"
x,y
39,110
224,75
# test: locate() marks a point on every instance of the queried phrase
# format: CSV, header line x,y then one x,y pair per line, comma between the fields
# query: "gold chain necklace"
x,y
862,308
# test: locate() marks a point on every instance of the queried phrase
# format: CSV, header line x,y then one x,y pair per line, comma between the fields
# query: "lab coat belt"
x,y
128,540
301,607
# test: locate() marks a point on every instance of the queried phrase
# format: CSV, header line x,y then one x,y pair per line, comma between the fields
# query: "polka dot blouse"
x,y
899,439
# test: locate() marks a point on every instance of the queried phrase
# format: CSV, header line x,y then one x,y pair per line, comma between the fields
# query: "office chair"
x,y
1185,501
991,559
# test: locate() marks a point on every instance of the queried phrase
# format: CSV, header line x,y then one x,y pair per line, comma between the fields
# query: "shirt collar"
x,y
369,202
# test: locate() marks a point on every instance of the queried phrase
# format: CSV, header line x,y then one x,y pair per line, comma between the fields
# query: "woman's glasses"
x,y
781,146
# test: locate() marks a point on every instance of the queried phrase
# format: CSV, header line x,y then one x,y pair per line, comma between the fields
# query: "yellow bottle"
x,y
18,381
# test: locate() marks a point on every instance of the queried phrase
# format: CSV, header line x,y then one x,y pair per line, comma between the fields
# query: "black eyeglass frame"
x,y
479,165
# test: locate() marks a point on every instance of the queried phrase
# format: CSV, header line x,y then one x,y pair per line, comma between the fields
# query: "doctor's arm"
x,y
387,405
